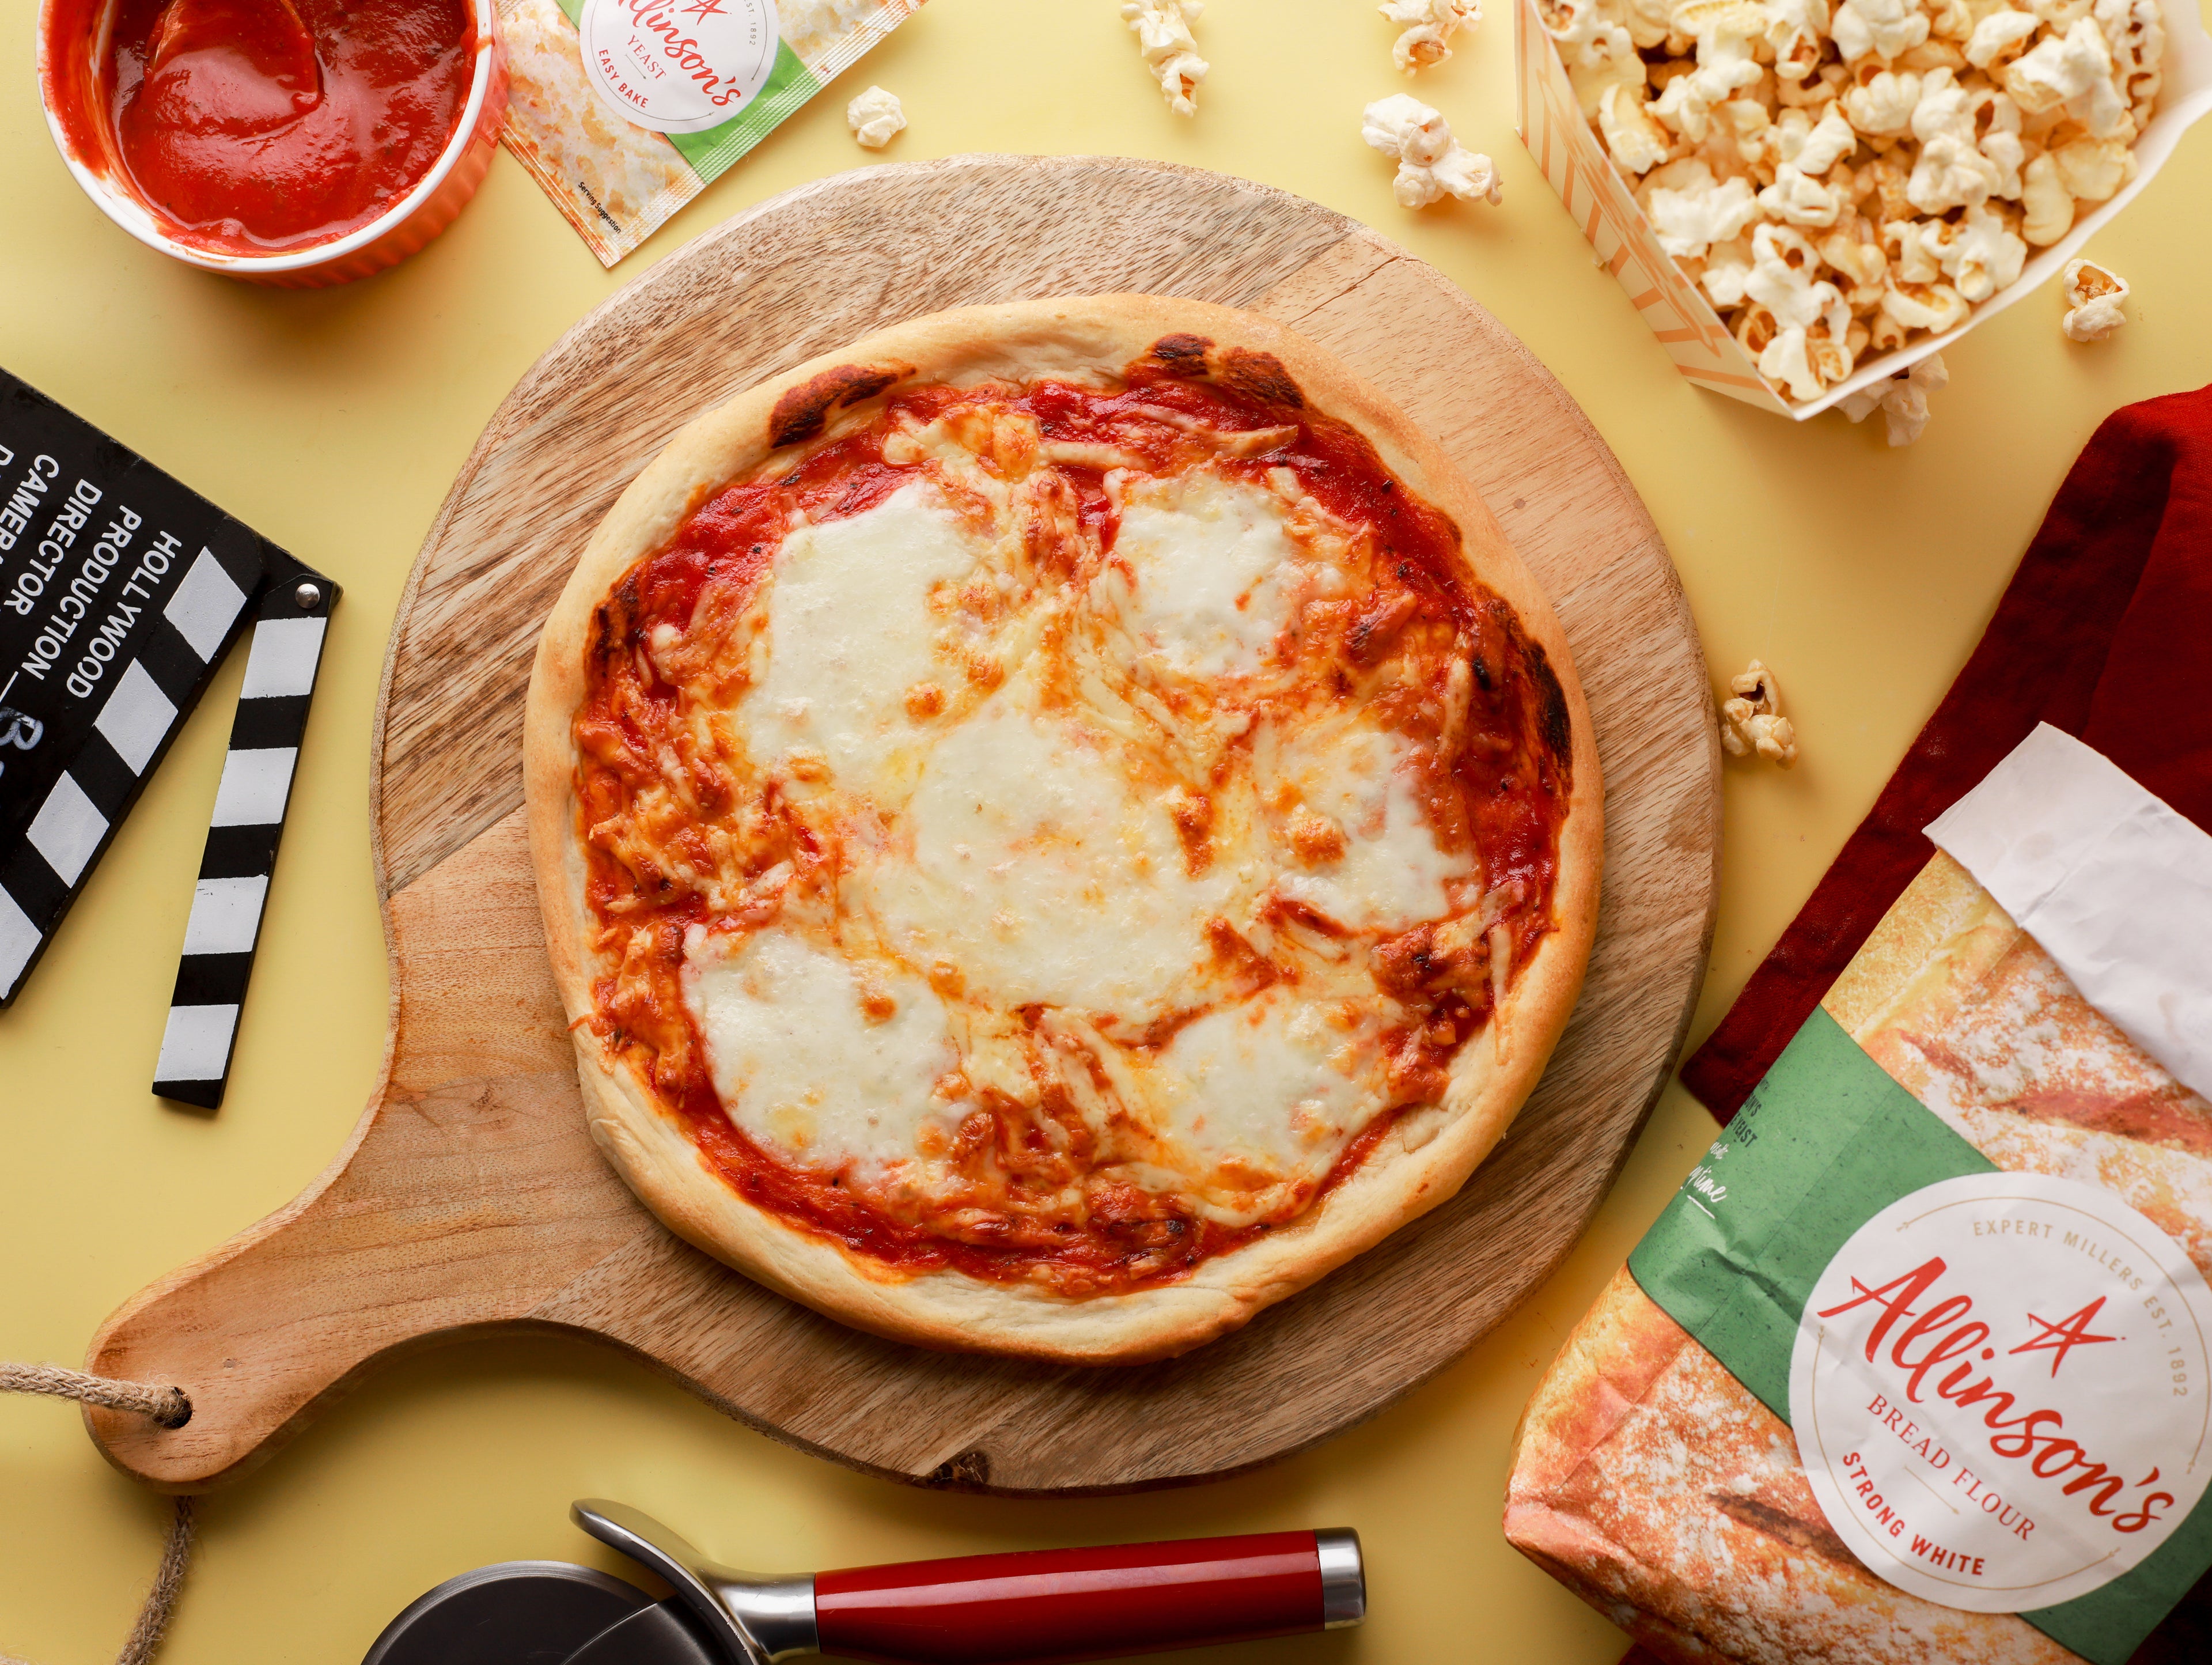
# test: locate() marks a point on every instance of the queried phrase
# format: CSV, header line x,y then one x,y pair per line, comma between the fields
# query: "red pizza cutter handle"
x,y
1041,1607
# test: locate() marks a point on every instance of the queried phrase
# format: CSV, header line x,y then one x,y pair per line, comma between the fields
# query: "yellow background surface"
x,y
334,422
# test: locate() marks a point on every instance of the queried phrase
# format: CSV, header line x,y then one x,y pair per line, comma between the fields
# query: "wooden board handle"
x,y
469,1195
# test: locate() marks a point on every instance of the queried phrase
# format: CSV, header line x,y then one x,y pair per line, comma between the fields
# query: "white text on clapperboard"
x,y
75,601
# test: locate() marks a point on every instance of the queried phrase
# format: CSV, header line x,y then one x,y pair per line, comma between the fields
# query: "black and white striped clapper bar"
x,y
241,842
120,592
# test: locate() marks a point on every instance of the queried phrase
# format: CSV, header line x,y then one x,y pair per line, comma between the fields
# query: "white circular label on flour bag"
x,y
2001,1390
678,66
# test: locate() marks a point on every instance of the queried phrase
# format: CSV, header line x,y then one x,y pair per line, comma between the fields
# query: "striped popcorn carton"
x,y
1573,157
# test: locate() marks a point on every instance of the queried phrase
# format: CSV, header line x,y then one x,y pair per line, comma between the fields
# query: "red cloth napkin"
x,y
2106,631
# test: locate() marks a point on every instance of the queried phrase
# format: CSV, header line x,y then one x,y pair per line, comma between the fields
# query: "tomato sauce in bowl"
x,y
237,150
259,136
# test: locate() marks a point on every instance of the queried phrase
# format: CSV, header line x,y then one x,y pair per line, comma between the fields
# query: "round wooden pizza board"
x,y
470,1200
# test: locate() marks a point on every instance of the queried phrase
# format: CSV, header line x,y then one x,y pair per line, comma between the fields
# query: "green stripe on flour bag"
x,y
1825,1143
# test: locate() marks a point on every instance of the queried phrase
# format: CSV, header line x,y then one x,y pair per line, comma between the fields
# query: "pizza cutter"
x,y
1032,1607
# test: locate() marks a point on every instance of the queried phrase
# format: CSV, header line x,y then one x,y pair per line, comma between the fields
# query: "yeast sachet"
x,y
625,110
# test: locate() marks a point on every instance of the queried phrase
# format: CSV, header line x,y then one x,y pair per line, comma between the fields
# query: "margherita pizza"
x,y
1057,825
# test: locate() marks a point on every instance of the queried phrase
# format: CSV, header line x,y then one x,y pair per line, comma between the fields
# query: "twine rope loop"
x,y
168,1407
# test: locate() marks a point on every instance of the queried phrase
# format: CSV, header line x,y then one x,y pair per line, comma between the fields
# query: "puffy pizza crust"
x,y
1421,1162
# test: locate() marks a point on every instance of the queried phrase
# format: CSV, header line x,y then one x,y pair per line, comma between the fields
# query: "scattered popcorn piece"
x,y
1431,163
1429,26
1690,209
1752,723
1902,399
1637,143
1794,32
2093,300
1886,28
1998,34
1981,255
1809,346
1170,53
876,117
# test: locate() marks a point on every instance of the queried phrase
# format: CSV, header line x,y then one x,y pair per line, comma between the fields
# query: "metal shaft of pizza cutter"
x,y
1028,1608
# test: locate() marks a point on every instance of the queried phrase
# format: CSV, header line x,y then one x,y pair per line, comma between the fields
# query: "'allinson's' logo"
x,y
2070,1332
678,66
1975,1452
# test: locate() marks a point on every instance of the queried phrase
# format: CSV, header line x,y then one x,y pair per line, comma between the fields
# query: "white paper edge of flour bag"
x,y
2114,885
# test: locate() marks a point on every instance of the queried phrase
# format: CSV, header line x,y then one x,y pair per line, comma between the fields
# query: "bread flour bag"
x,y
1918,1366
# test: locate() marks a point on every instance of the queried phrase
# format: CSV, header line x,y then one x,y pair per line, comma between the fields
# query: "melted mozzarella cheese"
x,y
1043,872
1276,1083
1024,852
1207,579
798,1061
1392,874
850,629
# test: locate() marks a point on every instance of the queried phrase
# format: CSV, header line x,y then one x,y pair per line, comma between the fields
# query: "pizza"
x,y
1057,825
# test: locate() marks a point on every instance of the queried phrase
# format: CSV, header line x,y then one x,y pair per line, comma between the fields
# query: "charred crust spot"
x,y
1260,376
1180,355
802,411
1433,961
1552,706
1374,632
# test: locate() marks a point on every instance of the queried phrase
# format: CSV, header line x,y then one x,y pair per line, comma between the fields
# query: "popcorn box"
x,y
1573,158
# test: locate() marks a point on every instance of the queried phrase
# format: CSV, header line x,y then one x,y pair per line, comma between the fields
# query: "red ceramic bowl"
x,y
69,59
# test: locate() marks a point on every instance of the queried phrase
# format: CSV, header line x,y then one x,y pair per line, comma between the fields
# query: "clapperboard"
x,y
120,591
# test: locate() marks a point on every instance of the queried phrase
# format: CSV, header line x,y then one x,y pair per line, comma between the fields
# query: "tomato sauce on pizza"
x,y
1051,831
